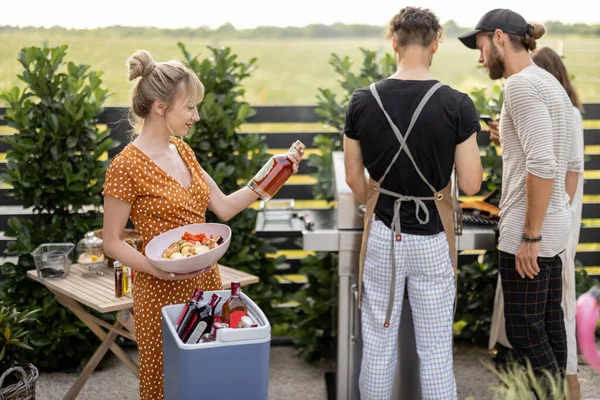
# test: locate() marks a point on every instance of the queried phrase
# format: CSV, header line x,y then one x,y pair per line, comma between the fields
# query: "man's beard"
x,y
495,64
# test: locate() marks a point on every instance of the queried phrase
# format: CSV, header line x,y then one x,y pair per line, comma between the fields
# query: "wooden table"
x,y
98,293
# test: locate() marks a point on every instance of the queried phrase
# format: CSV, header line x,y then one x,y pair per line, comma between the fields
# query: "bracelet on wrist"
x,y
532,239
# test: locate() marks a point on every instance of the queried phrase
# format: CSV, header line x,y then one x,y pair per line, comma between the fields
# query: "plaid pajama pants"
x,y
424,264
534,317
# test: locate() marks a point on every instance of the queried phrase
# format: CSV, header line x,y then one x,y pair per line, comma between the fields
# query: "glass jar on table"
x,y
90,253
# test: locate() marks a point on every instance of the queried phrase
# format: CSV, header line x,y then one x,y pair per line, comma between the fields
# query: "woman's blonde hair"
x,y
159,81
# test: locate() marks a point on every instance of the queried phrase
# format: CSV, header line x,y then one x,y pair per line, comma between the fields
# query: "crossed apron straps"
x,y
419,201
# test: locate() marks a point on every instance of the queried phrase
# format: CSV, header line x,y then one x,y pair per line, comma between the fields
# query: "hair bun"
x,y
538,31
140,64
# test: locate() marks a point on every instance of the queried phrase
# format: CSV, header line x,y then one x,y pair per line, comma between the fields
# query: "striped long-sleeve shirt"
x,y
536,135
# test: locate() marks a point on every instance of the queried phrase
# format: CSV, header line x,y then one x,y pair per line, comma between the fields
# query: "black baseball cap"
x,y
504,19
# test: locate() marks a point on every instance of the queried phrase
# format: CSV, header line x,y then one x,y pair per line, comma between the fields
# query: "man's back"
x,y
535,128
448,119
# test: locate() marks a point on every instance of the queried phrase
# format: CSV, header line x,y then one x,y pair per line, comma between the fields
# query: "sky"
x,y
253,13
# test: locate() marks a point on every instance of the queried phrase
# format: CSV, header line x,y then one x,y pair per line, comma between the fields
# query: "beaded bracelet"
x,y
532,240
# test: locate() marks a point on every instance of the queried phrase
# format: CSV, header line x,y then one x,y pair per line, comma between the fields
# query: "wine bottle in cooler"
x,y
203,321
189,316
212,335
195,298
234,308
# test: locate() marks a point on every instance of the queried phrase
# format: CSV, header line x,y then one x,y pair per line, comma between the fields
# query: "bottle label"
x,y
199,331
264,171
235,318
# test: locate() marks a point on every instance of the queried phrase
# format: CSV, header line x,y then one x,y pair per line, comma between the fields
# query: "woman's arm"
x,y
116,215
228,206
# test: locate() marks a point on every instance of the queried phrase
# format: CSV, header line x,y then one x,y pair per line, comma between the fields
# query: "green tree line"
x,y
338,30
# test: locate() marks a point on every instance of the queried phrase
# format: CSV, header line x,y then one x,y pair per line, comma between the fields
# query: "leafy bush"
x,y
56,165
583,282
14,336
314,329
475,300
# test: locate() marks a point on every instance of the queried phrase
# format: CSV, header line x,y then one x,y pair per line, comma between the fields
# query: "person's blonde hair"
x,y
159,81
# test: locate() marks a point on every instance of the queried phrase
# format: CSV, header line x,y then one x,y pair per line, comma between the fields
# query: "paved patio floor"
x,y
290,378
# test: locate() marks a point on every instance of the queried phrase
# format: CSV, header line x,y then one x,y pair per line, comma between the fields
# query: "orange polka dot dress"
x,y
159,203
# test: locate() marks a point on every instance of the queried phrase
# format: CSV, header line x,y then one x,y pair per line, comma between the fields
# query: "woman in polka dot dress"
x,y
157,182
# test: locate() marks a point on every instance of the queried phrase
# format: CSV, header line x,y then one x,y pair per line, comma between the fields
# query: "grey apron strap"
x,y
420,205
402,139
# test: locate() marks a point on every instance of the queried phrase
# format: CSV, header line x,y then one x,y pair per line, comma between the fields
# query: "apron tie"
x,y
397,229
419,206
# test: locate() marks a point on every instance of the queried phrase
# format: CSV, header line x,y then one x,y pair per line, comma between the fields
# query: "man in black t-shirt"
x,y
407,198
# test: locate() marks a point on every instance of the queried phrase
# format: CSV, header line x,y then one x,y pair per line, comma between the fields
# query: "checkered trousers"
x,y
534,317
424,263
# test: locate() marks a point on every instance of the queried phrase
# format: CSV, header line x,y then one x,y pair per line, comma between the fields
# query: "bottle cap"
x,y
214,300
197,294
246,322
299,145
235,288
215,327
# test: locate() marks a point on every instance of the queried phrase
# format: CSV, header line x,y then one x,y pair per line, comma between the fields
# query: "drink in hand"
x,y
271,177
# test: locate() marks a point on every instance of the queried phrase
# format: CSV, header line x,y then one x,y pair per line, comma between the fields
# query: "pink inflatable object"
x,y
588,313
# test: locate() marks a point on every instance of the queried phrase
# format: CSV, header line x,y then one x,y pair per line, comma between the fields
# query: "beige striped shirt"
x,y
536,135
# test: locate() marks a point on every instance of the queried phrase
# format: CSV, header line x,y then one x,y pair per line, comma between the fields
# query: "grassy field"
x,y
289,72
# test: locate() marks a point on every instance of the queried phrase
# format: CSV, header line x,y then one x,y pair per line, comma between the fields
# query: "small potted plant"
x,y
18,377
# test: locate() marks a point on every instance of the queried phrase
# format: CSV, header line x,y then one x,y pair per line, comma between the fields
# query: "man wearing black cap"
x,y
535,123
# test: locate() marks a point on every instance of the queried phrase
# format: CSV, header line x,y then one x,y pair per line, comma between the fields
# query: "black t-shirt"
x,y
448,119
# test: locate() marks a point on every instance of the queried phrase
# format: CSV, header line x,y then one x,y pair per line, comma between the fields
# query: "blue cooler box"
x,y
234,366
